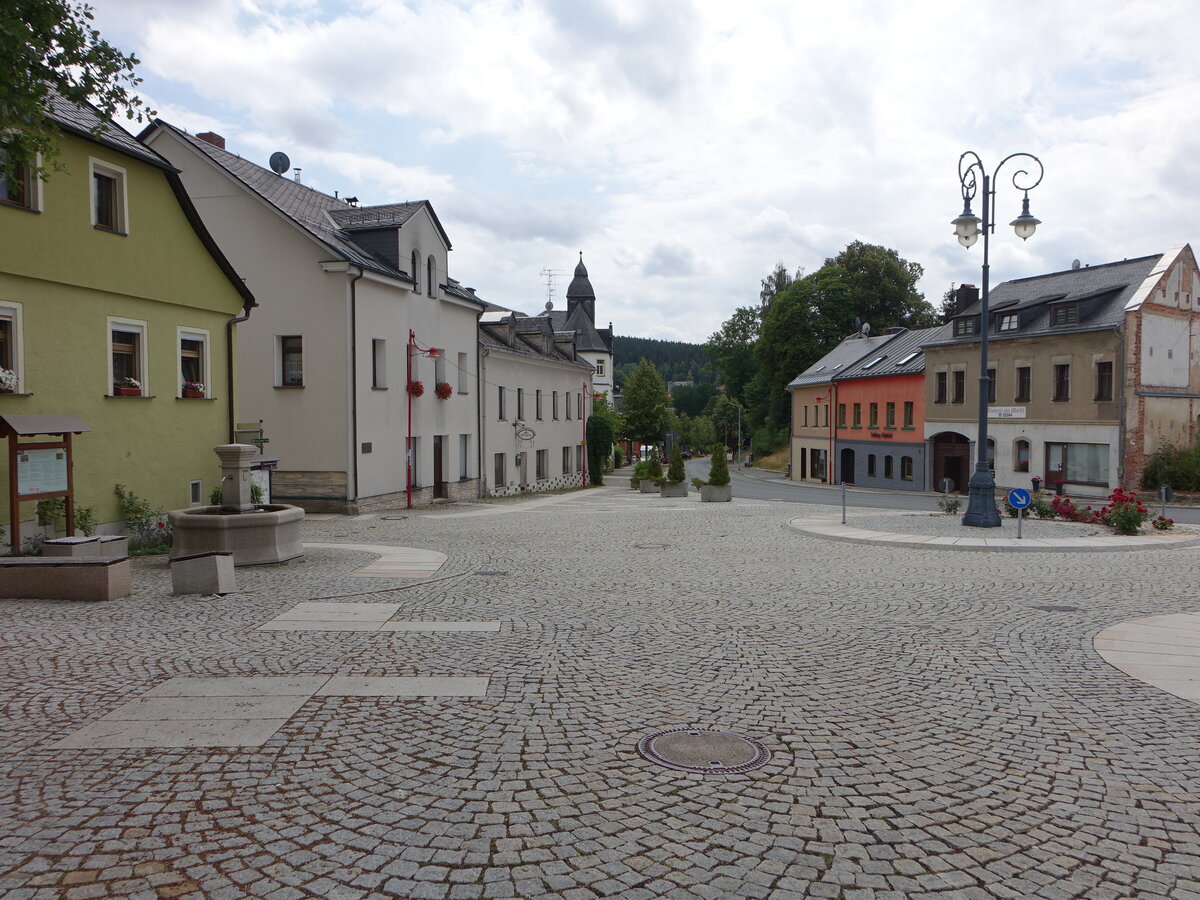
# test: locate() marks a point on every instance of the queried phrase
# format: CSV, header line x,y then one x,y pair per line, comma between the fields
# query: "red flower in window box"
x,y
127,387
443,390
416,388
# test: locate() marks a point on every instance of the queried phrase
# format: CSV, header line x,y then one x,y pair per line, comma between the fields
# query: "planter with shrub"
x,y
654,474
674,484
717,489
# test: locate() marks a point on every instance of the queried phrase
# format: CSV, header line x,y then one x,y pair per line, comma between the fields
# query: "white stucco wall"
x,y
1165,346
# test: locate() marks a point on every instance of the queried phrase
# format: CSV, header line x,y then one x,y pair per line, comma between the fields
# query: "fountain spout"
x,y
236,460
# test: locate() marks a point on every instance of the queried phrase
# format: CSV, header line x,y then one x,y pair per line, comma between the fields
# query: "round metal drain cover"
x,y
1050,607
705,752
392,518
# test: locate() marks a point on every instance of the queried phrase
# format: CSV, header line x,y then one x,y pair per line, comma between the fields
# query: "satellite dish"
x,y
1074,264
280,162
549,305
866,328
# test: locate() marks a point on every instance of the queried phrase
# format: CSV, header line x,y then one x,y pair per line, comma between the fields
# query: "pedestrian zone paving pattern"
x,y
939,724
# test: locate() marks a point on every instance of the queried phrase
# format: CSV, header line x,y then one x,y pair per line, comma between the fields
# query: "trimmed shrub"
x,y
675,471
654,470
718,473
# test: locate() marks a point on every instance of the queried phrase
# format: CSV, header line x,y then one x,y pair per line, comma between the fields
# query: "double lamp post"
x,y
974,180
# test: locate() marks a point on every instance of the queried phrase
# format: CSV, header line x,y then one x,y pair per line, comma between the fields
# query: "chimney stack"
x,y
297,171
965,296
211,137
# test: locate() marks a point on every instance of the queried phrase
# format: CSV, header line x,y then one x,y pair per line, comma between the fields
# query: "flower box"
x,y
193,393
123,390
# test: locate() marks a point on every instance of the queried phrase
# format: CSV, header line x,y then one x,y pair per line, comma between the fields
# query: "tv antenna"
x,y
550,275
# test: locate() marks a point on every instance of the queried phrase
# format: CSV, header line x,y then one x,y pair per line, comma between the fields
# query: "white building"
x,y
347,295
535,396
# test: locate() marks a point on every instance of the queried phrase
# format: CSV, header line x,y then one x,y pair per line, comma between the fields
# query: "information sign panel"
x,y
41,471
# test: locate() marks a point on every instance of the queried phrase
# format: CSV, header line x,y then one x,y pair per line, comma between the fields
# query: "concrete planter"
x,y
675,490
716,493
646,486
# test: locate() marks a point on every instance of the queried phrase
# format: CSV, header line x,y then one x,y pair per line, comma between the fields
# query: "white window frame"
x,y
33,186
14,312
204,337
600,368
99,166
116,323
463,384
379,364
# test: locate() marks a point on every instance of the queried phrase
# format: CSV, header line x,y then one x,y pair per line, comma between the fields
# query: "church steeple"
x,y
580,293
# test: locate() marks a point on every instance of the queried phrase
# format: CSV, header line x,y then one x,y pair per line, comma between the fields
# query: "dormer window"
x,y
964,327
1008,322
1064,314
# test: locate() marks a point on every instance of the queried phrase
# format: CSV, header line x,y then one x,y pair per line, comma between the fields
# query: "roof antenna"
x,y
1074,264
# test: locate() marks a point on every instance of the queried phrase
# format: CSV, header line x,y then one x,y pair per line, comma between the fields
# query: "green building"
x,y
116,307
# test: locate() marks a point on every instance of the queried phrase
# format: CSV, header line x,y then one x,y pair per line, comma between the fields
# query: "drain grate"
x,y
490,572
1050,607
704,752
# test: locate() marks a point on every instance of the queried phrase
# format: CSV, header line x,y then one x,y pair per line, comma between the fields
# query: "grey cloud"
x,y
670,262
510,218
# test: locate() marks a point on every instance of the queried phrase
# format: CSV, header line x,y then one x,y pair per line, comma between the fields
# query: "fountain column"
x,y
236,460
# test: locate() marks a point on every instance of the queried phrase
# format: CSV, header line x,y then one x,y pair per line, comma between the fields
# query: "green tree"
x,y
884,287
703,433
600,436
949,302
732,348
675,470
777,282
50,46
645,405
692,400
723,413
718,471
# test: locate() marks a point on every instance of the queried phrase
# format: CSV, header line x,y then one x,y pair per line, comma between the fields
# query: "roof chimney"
x,y
213,138
965,296
297,171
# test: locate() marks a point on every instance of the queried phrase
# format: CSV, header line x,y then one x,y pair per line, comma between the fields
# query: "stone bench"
x,y
65,577
101,545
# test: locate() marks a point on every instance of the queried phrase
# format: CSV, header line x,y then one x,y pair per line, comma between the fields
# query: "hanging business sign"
x,y
525,433
41,471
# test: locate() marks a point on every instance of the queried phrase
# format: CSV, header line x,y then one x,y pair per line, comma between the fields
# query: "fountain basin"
x,y
256,537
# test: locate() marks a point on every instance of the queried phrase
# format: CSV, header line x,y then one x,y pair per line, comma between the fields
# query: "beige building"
x,y
1092,370
348,295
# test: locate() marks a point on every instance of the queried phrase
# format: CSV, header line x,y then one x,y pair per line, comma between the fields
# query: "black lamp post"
x,y
981,507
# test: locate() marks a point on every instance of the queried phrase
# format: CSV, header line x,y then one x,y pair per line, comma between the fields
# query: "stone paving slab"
x,y
403,686
323,611
393,562
132,734
155,709
234,686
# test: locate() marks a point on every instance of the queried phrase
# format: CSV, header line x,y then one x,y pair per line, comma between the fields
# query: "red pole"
x,y
412,337
583,425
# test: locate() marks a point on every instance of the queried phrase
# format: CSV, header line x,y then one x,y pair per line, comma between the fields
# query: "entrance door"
x,y
847,470
1056,464
439,468
954,471
951,453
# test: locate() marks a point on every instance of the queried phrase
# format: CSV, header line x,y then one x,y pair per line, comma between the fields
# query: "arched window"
x,y
416,270
1021,456
906,468
430,276
870,464
888,471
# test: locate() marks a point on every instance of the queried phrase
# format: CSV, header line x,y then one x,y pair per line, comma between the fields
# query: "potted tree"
x,y
639,472
674,485
717,488
654,473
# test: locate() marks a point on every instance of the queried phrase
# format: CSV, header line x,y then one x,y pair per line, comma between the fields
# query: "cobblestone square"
x,y
932,731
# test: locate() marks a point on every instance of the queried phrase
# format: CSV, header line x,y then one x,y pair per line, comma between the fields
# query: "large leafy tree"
x,y
51,46
884,287
777,282
644,406
732,348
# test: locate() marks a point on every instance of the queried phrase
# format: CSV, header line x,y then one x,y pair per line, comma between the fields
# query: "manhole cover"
x,y
650,546
392,518
1050,607
705,752
489,572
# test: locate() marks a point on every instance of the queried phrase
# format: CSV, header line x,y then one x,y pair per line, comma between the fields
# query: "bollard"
x,y
843,503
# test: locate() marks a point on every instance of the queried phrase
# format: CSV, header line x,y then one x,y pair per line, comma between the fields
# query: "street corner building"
x,y
116,314
361,361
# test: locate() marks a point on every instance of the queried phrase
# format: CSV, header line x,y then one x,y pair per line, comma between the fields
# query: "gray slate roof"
x,y
905,346
319,214
587,336
491,336
81,120
1101,293
837,360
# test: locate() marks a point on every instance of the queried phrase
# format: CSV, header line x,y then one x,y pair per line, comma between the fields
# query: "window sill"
x,y
908,427
1065,400
15,394
289,387
376,387
8,204
112,231
201,399
131,397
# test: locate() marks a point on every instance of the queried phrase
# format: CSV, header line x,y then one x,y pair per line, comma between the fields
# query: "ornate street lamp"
x,y
981,508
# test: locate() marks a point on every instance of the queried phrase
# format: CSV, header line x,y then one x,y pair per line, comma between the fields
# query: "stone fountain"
x,y
255,535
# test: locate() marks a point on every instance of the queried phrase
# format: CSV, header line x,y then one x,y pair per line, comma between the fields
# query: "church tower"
x,y
580,293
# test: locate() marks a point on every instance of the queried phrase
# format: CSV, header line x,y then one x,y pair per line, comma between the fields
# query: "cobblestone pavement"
x,y
932,731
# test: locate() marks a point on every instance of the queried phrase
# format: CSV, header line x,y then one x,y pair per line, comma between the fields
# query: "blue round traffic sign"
x,y
1019,499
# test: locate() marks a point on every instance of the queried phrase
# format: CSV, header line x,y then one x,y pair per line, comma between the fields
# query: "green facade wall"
x,y
69,278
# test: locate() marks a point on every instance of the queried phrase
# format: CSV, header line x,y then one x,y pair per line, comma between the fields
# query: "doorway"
x,y
847,468
440,488
951,452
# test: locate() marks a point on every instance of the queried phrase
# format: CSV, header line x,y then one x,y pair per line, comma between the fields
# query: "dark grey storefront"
x,y
881,464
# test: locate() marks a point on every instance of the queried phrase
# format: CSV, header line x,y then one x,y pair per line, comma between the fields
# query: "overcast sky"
x,y
685,147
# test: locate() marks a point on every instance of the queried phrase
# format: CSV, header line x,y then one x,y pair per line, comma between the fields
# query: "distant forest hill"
x,y
675,360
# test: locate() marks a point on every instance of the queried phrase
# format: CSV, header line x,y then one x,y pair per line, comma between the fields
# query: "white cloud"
x,y
725,137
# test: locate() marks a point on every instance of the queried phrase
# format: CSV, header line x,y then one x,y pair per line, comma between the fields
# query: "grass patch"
x,y
776,462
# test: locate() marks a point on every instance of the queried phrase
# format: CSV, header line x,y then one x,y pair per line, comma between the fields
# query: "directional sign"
x,y
1019,498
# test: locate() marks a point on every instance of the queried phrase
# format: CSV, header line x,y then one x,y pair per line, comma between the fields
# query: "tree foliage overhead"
x,y
732,348
884,287
51,45
777,282
644,407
